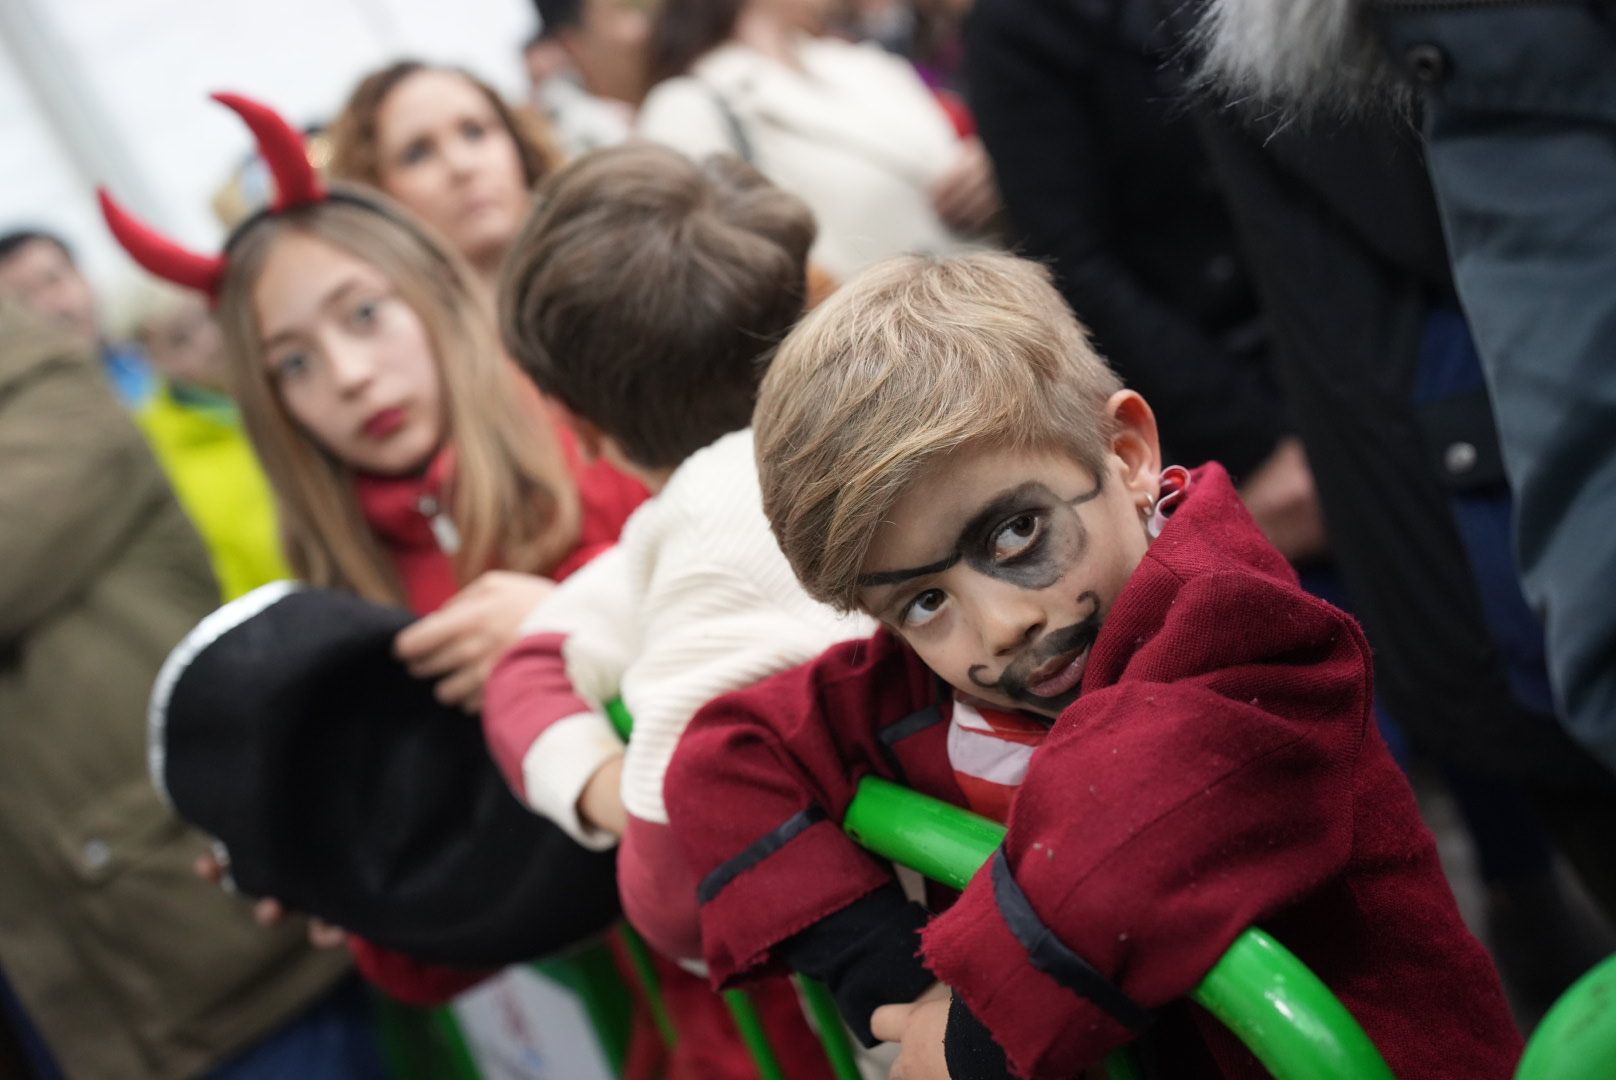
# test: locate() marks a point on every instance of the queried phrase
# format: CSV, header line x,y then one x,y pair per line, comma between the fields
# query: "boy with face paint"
x,y
1103,653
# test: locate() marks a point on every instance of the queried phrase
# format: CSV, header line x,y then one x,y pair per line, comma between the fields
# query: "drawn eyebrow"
x,y
988,515
897,577
995,507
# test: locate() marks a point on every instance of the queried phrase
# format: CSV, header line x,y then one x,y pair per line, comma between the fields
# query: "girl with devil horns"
x,y
412,462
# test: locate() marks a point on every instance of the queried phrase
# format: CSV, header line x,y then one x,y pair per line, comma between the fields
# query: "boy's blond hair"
x,y
910,360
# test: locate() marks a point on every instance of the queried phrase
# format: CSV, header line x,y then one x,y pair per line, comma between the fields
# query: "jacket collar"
x,y
408,512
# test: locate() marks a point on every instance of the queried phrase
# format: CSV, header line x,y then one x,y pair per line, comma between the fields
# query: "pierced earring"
x,y
1155,516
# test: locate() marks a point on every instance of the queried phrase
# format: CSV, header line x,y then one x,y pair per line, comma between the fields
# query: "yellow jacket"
x,y
199,441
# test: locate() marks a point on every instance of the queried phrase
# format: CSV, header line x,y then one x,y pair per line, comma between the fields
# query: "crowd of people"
x,y
1179,434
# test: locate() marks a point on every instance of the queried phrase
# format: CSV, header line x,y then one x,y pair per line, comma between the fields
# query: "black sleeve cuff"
x,y
969,1049
867,955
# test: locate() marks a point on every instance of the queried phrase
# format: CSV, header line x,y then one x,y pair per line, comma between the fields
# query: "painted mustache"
x,y
1014,681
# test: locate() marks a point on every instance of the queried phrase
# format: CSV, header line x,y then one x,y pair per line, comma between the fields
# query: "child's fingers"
x,y
889,1022
464,688
322,935
268,912
208,869
454,620
425,636
450,657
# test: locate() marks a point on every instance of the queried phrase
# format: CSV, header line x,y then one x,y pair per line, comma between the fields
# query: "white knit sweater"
x,y
695,601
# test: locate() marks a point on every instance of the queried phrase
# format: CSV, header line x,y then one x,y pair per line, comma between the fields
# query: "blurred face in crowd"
x,y
607,45
42,276
999,566
806,16
184,344
350,359
445,154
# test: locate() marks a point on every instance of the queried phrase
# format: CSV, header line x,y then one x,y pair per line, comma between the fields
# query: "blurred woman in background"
x,y
850,129
446,146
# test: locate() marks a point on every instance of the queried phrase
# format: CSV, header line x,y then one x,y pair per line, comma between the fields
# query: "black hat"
x,y
284,726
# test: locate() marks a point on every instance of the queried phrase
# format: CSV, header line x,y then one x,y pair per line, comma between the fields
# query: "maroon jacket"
x,y
1220,770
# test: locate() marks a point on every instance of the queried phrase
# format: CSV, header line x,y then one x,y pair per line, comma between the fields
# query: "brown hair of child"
x,y
910,360
647,293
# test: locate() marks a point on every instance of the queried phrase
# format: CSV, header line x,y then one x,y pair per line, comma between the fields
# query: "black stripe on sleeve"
x,y
1051,956
899,730
761,849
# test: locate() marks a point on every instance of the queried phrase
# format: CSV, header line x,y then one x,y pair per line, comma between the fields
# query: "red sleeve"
x,y
959,113
1209,787
756,792
527,691
407,980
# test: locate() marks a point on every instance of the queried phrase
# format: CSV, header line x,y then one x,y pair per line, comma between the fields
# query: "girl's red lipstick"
x,y
384,423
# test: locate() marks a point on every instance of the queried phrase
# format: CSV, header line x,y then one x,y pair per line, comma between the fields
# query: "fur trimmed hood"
x,y
1296,56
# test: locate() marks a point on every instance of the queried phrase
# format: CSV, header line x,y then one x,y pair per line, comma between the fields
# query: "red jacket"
x,y
1220,770
393,507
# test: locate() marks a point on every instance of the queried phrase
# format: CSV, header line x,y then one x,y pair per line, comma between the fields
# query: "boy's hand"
x,y
1280,495
919,1028
601,804
458,644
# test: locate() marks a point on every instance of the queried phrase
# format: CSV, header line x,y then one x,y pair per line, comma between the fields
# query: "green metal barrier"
x,y
427,1043
1259,990
833,1035
817,1000
1577,1038
421,1044
592,976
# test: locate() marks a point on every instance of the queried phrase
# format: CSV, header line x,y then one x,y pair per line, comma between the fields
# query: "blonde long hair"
x,y
511,498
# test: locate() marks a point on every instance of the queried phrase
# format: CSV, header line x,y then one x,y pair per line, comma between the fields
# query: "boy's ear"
x,y
1135,444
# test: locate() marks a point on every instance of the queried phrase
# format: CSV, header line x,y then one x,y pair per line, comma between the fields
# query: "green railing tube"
x,y
929,836
421,1044
941,842
453,1041
1123,1066
591,975
1259,990
1286,1015
1576,1039
832,1034
639,954
750,1025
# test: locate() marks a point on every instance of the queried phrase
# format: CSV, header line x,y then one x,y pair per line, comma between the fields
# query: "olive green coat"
x,y
129,965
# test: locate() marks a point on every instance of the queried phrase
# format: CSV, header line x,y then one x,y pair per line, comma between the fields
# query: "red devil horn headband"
x,y
296,184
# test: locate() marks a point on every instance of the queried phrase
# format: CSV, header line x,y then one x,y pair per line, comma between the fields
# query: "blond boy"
x,y
1102,652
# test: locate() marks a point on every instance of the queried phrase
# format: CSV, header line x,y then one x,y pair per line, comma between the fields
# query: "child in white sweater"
x,y
646,295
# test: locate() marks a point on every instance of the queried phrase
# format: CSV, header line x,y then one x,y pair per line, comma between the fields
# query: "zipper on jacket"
x,y
442,525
